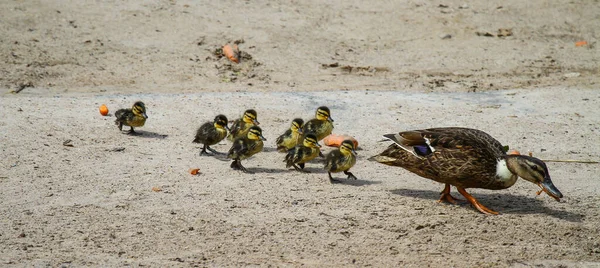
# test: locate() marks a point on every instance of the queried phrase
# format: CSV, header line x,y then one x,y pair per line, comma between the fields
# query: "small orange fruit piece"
x,y
334,140
514,152
194,171
103,110
231,52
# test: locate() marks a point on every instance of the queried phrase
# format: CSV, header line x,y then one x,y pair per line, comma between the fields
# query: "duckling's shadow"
x,y
266,170
149,134
351,182
503,203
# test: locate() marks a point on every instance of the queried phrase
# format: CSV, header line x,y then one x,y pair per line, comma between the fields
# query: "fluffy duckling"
x,y
321,125
241,126
211,133
464,158
134,117
341,159
289,139
245,147
308,150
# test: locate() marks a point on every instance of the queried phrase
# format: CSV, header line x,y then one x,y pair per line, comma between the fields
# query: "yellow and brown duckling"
x,y
341,159
464,158
302,153
241,126
321,125
211,133
291,137
134,117
245,147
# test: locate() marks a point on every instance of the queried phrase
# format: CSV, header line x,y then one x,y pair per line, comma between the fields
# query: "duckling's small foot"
x,y
321,154
132,132
332,180
476,203
446,196
204,152
300,168
237,165
350,175
120,126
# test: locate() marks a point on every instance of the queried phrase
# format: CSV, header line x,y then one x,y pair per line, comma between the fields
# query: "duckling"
x,y
302,153
289,139
321,125
134,117
241,126
211,133
245,147
464,158
341,159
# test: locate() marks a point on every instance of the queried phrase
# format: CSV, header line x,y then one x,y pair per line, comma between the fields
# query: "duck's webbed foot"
x,y
476,203
446,196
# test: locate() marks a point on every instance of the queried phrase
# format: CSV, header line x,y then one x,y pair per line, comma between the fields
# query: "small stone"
x,y
572,75
445,36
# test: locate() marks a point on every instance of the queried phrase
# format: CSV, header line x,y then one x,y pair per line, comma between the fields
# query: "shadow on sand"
x,y
503,203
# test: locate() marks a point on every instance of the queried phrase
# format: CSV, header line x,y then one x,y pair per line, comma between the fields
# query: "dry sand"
x,y
93,204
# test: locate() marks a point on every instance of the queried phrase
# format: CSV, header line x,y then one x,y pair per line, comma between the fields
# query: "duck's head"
x,y
255,133
297,125
533,170
221,122
323,113
250,117
347,147
311,141
139,109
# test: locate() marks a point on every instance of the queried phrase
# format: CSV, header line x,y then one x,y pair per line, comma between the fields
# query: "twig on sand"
x,y
571,161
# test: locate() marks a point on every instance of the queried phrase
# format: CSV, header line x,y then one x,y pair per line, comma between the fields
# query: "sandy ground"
x,y
381,67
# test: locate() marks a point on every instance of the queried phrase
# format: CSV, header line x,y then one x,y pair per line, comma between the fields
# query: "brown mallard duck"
x,y
134,117
245,147
321,125
464,158
341,159
289,139
302,153
240,126
211,133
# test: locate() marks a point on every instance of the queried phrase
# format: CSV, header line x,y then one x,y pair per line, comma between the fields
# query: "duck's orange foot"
x,y
476,203
446,196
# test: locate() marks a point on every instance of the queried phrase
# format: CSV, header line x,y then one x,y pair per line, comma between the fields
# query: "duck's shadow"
x,y
503,203
149,134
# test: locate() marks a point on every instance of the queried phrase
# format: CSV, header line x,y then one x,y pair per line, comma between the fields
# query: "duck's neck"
x,y
504,171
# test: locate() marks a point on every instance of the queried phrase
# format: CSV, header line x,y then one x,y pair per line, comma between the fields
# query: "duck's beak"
x,y
330,119
549,188
319,145
145,115
354,152
255,122
262,138
300,131
227,127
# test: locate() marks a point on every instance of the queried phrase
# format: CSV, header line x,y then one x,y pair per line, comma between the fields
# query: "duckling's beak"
x,y
548,187
330,119
227,127
354,152
145,115
255,122
300,131
318,145
262,138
